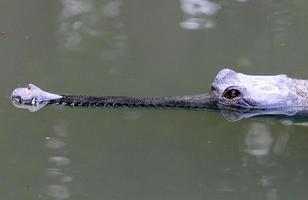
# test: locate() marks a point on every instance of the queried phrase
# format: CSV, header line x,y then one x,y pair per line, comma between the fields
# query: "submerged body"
x,y
231,92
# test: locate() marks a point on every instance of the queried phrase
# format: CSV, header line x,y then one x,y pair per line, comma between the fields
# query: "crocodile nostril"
x,y
213,88
16,98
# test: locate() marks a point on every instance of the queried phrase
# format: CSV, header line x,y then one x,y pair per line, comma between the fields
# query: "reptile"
x,y
236,94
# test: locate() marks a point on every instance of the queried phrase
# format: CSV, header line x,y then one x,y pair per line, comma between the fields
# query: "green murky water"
x,y
176,47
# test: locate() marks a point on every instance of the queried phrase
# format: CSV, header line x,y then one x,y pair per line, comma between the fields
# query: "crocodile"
x,y
235,94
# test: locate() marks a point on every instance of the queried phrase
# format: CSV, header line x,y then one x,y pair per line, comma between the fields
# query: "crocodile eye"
x,y
232,93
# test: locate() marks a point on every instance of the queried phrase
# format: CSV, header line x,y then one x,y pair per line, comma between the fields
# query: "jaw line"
x,y
31,108
240,105
19,100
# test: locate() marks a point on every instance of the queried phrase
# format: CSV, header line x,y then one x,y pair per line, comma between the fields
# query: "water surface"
x,y
145,48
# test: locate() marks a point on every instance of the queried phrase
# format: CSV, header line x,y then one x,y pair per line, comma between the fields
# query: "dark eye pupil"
x,y
230,94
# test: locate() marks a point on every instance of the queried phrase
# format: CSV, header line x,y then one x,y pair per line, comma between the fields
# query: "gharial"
x,y
247,95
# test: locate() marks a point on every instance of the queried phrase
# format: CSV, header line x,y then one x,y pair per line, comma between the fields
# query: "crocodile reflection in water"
x,y
235,94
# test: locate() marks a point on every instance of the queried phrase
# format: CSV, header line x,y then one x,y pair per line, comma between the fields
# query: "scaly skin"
x,y
236,93
262,92
34,96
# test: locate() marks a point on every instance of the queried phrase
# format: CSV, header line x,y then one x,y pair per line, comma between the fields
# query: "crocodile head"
x,y
32,95
241,91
